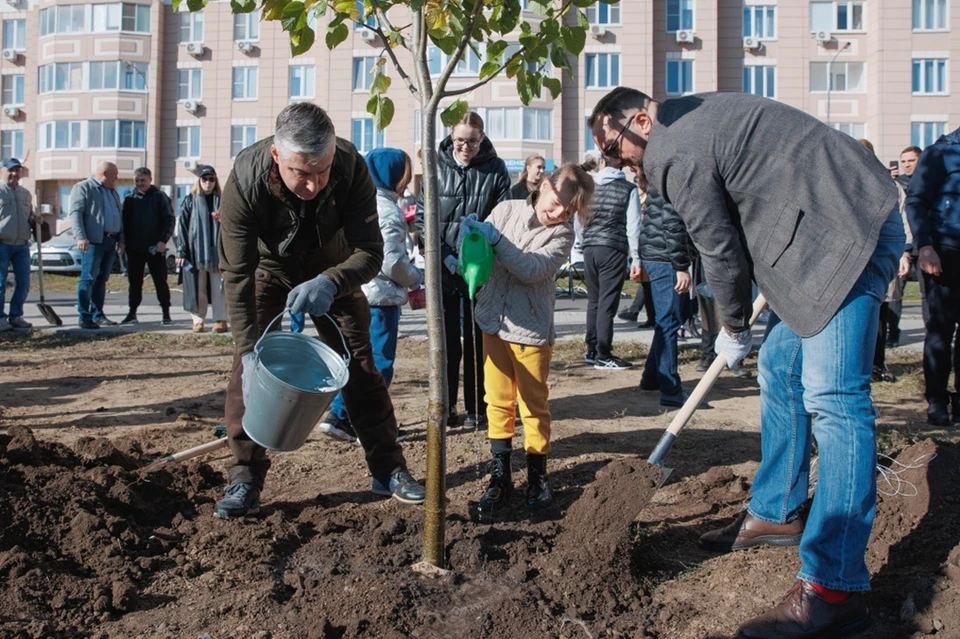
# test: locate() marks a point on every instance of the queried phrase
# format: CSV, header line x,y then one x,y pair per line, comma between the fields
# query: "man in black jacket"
x,y
148,221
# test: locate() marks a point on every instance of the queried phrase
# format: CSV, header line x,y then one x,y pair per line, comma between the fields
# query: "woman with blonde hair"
x,y
198,239
529,178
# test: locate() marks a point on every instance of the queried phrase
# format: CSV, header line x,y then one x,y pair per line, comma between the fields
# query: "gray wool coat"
x,y
198,239
769,192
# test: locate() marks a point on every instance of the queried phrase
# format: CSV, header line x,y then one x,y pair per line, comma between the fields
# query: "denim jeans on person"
x,y
661,367
826,375
17,256
384,329
95,267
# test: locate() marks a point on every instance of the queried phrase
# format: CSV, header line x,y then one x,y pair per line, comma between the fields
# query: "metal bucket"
x,y
295,379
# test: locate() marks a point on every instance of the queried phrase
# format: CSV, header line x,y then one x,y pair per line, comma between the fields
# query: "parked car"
x,y
61,255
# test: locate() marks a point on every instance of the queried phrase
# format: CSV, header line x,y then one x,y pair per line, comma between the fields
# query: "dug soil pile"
x,y
92,546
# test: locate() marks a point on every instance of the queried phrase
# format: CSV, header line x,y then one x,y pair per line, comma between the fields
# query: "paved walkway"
x,y
570,318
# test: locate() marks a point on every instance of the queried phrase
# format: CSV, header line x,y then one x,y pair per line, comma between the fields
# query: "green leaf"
x,y
509,16
540,7
582,20
573,38
417,5
384,115
550,29
243,6
336,35
554,86
584,3
372,104
495,49
380,84
447,44
196,5
524,90
558,57
302,41
272,9
292,14
489,68
454,113
514,67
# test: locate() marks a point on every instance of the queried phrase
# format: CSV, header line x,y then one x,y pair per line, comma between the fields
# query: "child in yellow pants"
x,y
531,240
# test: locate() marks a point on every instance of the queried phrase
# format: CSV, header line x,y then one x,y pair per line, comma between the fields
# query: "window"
x,y
365,137
513,48
760,80
70,18
836,16
589,144
603,70
106,17
504,123
538,124
116,17
929,76
11,144
181,193
679,77
929,14
241,136
363,72
679,15
61,76
15,34
923,134
603,14
440,131
117,75
302,81
116,134
245,83
191,27
188,142
103,75
857,130
760,22
362,20
469,64
136,17
847,77
246,26
59,135
189,84
13,90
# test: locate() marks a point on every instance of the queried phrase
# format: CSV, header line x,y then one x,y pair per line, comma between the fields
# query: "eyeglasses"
x,y
208,179
612,150
469,143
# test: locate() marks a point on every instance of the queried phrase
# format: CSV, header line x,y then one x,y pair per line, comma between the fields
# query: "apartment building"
x,y
136,83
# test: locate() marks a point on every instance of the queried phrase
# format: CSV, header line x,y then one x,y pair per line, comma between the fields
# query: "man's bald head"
x,y
107,173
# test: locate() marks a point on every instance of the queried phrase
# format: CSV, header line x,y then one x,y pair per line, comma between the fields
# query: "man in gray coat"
x,y
771,194
97,222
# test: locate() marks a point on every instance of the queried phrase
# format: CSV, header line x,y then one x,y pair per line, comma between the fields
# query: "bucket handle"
x,y
343,340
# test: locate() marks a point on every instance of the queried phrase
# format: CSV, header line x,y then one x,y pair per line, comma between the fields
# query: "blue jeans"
x,y
95,267
661,367
17,255
827,375
384,329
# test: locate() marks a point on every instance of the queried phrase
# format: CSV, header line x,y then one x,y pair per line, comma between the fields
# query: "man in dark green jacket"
x,y
299,230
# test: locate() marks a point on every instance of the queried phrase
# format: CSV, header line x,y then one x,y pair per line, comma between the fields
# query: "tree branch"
x,y
378,29
461,47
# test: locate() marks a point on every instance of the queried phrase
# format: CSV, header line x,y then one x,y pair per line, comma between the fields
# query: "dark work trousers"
x,y
365,394
879,353
643,299
603,269
157,263
941,305
457,322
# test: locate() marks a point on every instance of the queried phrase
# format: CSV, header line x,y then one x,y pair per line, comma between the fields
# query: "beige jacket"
x,y
517,303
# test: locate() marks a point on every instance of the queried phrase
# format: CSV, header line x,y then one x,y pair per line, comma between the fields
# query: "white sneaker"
x,y
5,325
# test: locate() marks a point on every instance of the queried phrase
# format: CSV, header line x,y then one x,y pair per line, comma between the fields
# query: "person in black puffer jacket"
x,y
664,255
610,234
470,179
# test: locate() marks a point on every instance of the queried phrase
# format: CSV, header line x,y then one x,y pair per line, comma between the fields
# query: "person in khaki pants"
x,y
531,239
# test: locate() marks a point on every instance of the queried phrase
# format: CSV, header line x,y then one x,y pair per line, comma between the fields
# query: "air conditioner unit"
x,y
750,43
190,165
823,36
11,54
598,30
11,111
685,36
245,45
367,35
192,106
195,48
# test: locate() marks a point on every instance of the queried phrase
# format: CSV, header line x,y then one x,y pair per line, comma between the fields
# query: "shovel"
x,y
45,309
189,453
690,406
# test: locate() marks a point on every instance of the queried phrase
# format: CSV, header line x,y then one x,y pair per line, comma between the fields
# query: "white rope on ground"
x,y
889,481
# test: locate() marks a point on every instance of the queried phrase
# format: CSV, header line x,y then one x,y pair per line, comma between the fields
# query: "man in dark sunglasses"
x,y
822,246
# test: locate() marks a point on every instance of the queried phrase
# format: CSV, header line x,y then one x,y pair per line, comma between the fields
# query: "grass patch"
x,y
911,292
41,340
67,283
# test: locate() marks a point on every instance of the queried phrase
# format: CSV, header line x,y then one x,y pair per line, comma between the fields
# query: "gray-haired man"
x,y
299,230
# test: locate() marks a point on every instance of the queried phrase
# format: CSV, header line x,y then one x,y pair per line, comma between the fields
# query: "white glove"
x,y
733,346
486,229
313,296
249,361
452,264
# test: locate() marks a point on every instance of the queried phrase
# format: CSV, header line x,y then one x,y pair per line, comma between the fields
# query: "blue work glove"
x,y
486,229
733,346
297,322
313,296
452,264
249,361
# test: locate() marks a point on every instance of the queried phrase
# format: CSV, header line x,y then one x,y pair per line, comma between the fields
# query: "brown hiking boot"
x,y
747,531
219,327
804,614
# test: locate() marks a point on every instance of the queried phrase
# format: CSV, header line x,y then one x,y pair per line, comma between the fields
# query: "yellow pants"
x,y
517,373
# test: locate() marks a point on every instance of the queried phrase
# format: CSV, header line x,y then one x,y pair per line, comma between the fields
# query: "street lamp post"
x,y
146,104
830,75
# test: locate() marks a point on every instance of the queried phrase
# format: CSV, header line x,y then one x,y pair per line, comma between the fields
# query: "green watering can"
x,y
476,261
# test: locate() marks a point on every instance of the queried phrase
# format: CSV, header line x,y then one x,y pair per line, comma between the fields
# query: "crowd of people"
x,y
306,224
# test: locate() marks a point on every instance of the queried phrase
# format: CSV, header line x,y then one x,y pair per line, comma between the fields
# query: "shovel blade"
x,y
664,476
49,314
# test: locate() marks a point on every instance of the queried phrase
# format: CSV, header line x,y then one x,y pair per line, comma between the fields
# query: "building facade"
x,y
138,84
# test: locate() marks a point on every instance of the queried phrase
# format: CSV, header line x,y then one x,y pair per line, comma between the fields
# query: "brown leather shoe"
x,y
219,327
803,614
747,531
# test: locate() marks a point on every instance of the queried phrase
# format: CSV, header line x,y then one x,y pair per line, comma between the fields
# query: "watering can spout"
x,y
476,261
